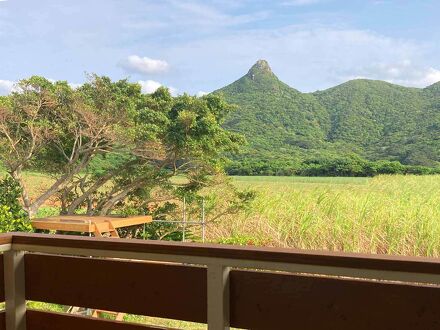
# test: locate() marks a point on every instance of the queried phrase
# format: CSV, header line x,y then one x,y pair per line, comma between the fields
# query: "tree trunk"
x,y
85,196
106,208
56,186
32,210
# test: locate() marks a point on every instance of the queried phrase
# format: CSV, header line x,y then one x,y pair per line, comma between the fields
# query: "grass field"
x,y
385,214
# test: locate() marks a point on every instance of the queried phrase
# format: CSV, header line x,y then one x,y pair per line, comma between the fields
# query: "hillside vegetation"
x,y
355,124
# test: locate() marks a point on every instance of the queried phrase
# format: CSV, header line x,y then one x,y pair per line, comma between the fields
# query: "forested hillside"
x,y
361,127
384,121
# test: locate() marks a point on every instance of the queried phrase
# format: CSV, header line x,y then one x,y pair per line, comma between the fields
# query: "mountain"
x,y
274,116
380,120
373,120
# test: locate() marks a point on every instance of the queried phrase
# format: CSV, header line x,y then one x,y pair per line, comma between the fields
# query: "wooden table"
x,y
98,225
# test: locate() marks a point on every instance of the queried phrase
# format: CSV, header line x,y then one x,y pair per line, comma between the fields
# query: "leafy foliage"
x,y
12,215
107,145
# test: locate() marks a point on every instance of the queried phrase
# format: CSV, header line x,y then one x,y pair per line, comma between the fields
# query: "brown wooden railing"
x,y
251,288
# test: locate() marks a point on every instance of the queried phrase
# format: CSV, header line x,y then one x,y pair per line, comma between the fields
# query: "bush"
x,y
12,215
341,166
351,165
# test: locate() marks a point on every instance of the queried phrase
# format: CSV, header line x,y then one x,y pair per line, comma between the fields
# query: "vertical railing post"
x,y
203,221
218,297
15,299
184,220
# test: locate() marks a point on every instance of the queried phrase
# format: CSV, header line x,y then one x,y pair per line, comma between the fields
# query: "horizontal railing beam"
x,y
219,259
410,277
5,242
213,251
5,247
391,268
6,238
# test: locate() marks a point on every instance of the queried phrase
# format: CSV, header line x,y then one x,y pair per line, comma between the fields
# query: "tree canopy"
x,y
106,142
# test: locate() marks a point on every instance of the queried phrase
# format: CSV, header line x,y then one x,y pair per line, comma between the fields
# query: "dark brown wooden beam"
x,y
321,258
2,321
6,238
153,289
261,300
2,280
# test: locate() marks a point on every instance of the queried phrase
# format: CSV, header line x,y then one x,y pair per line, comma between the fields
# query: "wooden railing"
x,y
251,288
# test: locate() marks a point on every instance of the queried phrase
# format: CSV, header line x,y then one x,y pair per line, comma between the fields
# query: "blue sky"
x,y
198,46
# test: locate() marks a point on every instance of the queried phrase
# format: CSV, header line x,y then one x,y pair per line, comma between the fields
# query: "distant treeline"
x,y
343,166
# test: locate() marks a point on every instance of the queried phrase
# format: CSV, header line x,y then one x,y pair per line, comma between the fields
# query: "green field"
x,y
385,214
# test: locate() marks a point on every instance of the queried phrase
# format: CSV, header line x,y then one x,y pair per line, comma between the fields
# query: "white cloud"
x,y
404,73
201,93
150,86
431,76
6,86
143,65
75,85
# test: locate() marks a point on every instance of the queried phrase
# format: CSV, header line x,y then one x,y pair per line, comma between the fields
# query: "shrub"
x,y
350,165
12,215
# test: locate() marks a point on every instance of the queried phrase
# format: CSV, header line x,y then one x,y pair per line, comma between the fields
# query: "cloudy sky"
x,y
198,46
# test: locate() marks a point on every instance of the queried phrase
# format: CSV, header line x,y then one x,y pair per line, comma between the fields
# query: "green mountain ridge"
x,y
372,119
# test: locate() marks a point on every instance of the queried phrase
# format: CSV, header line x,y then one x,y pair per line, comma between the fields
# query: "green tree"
x,y
106,143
